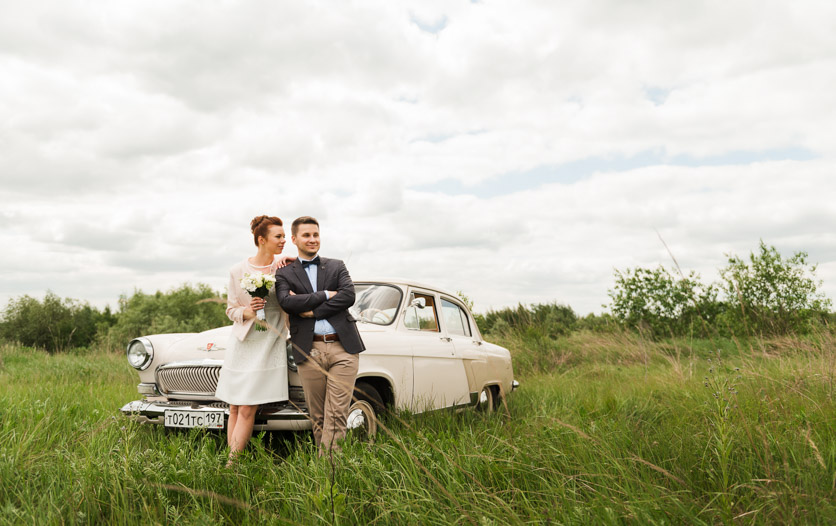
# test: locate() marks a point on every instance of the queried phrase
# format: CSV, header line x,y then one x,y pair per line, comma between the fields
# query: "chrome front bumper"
x,y
283,417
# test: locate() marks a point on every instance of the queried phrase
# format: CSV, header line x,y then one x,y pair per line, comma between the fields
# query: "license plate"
x,y
186,418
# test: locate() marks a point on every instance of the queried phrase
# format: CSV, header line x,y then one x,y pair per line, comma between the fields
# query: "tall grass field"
x,y
605,429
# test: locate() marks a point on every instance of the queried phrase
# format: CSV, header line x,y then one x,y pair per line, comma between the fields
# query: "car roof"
x,y
409,283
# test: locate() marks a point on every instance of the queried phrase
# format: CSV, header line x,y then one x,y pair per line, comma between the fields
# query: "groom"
x,y
316,293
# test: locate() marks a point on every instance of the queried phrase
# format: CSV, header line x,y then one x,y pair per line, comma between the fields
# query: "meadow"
x,y
605,429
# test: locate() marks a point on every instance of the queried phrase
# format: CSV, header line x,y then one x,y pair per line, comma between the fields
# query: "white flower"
x,y
257,280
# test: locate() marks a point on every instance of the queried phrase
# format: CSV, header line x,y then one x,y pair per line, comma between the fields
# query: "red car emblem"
x,y
209,346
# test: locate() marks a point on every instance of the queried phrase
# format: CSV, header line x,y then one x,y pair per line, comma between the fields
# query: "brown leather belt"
x,y
327,338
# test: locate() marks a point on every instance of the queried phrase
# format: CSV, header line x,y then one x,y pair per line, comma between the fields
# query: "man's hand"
x,y
308,314
342,298
296,303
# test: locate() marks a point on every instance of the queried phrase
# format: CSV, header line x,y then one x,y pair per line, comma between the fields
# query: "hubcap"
x,y
485,400
355,419
360,421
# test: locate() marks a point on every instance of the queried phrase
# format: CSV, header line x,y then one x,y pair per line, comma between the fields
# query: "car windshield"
x,y
376,304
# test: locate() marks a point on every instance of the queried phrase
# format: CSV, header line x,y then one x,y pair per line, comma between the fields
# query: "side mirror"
x,y
419,302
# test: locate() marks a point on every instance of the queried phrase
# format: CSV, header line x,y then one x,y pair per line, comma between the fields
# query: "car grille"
x,y
189,379
202,380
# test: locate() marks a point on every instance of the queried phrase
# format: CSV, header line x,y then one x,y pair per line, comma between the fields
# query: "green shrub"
x,y
178,310
599,323
770,295
52,324
548,320
766,296
658,303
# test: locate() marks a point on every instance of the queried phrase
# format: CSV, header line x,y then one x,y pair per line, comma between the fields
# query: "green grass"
x,y
605,430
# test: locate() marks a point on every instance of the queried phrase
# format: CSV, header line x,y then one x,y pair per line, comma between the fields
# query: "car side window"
x,y
455,318
421,315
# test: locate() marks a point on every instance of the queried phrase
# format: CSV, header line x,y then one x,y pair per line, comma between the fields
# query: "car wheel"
x,y
486,402
362,413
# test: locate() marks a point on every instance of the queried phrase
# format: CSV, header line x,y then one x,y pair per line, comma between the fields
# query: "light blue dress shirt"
x,y
321,327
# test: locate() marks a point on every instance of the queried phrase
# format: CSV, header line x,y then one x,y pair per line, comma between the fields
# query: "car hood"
x,y
211,344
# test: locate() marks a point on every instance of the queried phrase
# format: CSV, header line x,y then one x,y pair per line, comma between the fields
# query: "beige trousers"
x,y
328,380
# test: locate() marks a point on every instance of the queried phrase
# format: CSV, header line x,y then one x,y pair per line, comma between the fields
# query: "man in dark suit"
x,y
316,293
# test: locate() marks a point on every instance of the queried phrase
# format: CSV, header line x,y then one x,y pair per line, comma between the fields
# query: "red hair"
x,y
261,224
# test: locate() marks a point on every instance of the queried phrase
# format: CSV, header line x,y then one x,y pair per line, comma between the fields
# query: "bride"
x,y
254,371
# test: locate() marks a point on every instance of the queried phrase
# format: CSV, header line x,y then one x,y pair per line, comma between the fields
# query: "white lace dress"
x,y
255,368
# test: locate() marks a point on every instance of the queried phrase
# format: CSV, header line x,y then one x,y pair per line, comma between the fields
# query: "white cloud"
x,y
139,139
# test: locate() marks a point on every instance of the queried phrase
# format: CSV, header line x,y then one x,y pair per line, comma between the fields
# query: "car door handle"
x,y
477,342
446,339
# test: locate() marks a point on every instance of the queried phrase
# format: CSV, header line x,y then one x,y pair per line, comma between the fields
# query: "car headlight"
x,y
140,353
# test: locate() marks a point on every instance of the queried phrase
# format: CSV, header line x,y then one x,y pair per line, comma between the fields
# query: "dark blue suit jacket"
x,y
331,275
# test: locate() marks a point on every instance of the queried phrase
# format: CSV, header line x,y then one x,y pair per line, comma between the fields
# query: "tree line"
x,y
57,324
763,295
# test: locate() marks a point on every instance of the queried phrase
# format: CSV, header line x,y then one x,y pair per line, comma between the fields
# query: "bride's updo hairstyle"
x,y
261,224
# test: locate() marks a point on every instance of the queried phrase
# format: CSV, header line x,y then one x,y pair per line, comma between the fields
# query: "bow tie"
x,y
314,261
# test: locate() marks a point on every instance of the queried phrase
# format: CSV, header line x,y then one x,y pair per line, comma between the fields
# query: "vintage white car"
x,y
424,352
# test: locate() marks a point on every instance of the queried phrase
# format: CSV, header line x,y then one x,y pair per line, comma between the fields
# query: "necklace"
x,y
258,266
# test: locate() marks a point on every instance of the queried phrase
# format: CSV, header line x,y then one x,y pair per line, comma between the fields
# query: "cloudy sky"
x,y
516,150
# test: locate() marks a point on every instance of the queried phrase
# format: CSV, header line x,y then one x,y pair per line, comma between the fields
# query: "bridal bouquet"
x,y
258,285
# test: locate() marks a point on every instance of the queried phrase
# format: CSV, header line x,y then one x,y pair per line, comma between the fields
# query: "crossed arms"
x,y
317,302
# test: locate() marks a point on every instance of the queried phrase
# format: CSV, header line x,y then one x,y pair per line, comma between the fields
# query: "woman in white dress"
x,y
255,363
